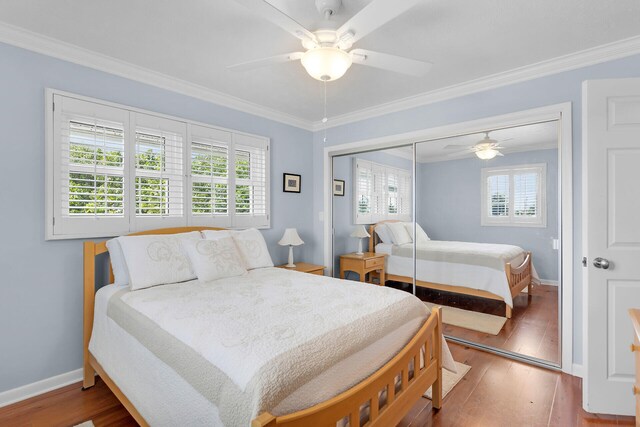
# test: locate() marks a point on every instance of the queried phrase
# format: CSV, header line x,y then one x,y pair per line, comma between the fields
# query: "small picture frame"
x,y
291,183
338,187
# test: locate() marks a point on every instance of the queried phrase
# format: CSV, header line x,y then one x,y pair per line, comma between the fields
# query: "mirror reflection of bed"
x,y
486,232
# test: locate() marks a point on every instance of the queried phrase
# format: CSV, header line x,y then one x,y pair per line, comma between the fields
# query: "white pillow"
x,y
383,233
399,233
215,258
422,235
157,259
215,234
253,248
118,265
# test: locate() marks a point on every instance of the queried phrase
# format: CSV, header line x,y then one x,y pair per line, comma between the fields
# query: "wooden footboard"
x,y
399,397
519,277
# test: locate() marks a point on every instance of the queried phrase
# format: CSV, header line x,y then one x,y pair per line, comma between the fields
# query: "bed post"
x,y
436,391
89,379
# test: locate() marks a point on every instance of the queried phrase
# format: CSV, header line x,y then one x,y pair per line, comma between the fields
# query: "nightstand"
x,y
305,267
363,264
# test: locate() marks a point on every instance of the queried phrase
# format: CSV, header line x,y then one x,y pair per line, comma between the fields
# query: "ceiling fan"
x,y
485,149
327,56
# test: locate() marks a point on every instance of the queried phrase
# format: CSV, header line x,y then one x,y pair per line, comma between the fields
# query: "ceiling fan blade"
x,y
390,62
372,16
276,16
456,147
257,63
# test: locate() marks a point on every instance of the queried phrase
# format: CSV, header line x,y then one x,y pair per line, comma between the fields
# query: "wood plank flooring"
x,y
495,392
532,330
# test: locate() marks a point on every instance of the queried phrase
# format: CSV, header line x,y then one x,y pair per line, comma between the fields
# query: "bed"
x,y
295,352
493,271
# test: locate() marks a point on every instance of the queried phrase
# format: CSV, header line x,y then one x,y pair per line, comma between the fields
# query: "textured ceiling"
x,y
194,40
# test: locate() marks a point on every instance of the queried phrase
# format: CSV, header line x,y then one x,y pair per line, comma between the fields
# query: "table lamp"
x,y
360,232
291,239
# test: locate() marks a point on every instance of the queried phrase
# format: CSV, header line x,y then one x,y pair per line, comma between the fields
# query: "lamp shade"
x,y
360,232
290,238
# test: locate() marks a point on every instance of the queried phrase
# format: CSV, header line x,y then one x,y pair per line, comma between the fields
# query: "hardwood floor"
x,y
495,392
532,330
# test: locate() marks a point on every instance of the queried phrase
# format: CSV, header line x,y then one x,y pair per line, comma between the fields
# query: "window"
x,y
514,196
113,170
380,192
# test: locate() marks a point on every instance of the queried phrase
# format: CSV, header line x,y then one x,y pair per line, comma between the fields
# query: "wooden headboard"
x,y
373,237
93,249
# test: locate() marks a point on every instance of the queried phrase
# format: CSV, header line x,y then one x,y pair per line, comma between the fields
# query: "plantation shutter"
x,y
158,170
499,195
379,209
525,195
362,191
392,192
404,196
113,170
89,169
251,181
514,196
210,203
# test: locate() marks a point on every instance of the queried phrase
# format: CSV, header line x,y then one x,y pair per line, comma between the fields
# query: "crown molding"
x,y
39,43
68,52
572,61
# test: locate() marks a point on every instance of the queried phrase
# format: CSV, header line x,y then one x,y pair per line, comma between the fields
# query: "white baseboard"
x,y
549,282
576,370
39,387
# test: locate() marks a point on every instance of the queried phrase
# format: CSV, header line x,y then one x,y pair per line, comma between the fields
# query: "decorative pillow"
x,y
383,233
399,233
120,272
422,235
253,248
157,259
215,258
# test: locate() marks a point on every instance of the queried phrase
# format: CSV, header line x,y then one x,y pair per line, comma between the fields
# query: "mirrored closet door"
x,y
487,230
485,241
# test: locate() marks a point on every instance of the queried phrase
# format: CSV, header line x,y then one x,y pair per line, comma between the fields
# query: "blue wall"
x,y
343,221
41,284
553,89
448,196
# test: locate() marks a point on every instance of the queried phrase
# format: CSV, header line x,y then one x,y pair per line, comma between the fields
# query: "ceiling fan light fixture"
x,y
326,63
487,153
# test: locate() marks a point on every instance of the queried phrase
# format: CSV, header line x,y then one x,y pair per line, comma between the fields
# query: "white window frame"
x,y
379,195
511,220
129,222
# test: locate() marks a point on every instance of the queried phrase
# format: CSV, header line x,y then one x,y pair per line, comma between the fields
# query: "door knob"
x,y
601,263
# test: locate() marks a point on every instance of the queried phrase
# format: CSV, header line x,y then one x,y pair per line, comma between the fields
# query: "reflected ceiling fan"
x,y
485,149
327,56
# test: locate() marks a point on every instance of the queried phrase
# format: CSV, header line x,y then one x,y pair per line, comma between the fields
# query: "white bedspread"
x,y
222,352
432,267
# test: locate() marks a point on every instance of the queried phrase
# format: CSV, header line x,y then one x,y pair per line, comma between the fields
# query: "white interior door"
x,y
611,171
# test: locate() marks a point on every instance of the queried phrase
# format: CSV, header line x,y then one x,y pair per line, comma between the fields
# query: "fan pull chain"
x,y
324,118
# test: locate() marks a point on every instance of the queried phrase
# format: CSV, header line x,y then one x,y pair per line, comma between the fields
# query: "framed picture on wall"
x,y
338,187
291,183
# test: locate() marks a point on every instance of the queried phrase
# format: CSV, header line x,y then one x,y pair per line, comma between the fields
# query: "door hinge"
x,y
584,261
